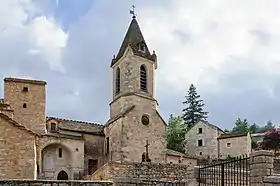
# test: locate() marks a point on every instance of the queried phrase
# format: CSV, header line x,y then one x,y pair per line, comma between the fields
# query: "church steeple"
x,y
134,118
136,41
133,69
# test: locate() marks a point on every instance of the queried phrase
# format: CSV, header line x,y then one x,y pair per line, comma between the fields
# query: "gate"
x,y
235,171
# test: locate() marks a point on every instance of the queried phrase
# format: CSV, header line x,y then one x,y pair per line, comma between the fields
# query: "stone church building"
x,y
35,146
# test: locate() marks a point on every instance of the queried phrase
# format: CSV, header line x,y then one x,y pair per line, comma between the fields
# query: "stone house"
x,y
36,146
234,145
201,140
17,149
208,141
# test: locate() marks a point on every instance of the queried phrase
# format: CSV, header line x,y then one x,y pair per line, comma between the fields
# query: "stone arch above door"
x,y
62,175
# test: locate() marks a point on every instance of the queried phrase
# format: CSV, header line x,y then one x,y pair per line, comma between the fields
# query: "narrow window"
x,y
179,161
228,144
25,89
200,143
143,78
142,47
118,80
60,152
107,145
200,153
200,130
24,105
92,166
53,127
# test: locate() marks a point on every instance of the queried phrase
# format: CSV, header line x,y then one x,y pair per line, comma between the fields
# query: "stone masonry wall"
x,y
130,77
272,180
260,167
135,135
113,132
17,152
33,116
237,146
261,172
49,182
150,171
209,137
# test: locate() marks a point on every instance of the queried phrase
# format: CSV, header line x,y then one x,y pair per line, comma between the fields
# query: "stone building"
x,y
35,146
234,145
208,141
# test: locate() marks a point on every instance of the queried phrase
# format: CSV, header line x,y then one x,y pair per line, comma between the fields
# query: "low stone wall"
x,y
272,180
146,171
143,182
54,182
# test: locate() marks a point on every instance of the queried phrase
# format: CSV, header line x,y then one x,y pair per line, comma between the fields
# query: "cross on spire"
x,y
133,12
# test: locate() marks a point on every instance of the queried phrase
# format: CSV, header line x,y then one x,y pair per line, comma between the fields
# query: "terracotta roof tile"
x,y
176,153
57,135
21,80
231,135
79,126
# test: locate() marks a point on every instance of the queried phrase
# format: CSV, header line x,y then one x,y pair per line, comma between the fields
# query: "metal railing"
x,y
228,172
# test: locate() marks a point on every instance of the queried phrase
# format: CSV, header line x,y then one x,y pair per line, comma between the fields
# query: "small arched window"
x,y
118,80
141,47
143,78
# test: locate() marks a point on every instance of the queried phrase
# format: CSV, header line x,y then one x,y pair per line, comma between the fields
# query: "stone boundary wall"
x,y
117,182
146,171
262,170
143,182
272,180
54,182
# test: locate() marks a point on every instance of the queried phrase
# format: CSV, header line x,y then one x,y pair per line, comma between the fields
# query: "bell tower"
x,y
134,120
133,70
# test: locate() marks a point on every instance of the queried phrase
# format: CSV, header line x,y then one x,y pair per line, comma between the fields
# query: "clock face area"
x,y
145,120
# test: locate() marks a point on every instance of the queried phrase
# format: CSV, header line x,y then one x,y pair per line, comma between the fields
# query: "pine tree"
x,y
194,109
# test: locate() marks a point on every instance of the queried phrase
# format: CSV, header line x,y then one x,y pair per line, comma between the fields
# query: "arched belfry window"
x,y
141,47
118,80
143,78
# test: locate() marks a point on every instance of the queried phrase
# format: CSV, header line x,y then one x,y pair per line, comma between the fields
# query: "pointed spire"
x,y
135,40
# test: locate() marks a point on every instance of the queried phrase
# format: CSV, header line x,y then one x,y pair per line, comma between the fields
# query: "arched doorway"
x,y
62,175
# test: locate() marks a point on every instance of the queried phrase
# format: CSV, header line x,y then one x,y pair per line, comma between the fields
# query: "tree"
x,y
176,131
271,140
268,127
194,109
241,126
254,128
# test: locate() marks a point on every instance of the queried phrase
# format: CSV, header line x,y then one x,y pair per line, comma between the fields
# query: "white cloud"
x,y
49,39
21,22
216,31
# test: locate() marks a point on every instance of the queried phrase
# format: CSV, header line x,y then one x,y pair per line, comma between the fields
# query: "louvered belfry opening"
x,y
118,80
143,78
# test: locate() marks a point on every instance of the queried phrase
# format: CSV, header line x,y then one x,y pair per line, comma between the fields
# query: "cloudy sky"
x,y
229,49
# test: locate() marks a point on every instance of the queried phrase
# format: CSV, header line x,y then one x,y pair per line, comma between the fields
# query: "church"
x,y
36,146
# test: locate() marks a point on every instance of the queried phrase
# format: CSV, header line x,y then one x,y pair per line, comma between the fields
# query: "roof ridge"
x,y
18,125
25,80
72,120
